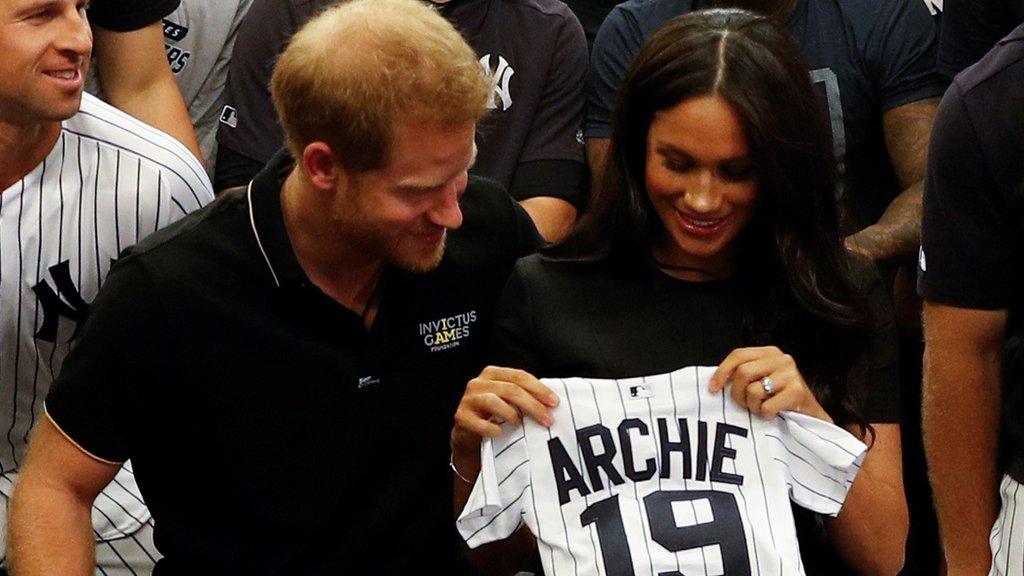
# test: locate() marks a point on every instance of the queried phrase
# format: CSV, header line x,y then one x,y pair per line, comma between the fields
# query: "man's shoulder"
x,y
131,141
547,10
649,15
1005,60
199,234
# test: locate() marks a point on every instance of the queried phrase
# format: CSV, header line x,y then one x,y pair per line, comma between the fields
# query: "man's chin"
x,y
420,261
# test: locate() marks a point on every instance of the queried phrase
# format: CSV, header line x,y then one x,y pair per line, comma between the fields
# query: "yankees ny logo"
x,y
72,306
500,78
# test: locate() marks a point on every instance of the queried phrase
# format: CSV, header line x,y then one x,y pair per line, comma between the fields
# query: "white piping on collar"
x,y
252,221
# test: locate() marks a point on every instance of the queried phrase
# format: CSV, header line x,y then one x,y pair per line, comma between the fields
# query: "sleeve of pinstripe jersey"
x,y
494,509
821,461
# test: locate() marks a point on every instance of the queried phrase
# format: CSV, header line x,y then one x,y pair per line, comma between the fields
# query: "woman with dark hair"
x,y
714,241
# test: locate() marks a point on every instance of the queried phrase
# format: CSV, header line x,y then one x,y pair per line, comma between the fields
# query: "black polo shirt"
x,y
972,227
270,432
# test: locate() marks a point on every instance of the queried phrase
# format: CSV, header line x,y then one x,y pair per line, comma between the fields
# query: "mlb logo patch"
x,y
229,116
640,391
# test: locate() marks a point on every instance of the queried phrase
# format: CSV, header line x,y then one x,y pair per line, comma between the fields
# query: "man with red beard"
x,y
282,368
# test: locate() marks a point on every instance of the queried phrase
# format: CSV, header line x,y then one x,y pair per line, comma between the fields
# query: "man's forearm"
x,y
960,420
134,75
50,533
894,239
553,217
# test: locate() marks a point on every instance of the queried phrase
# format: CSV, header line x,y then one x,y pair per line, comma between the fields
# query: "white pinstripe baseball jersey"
x,y
109,181
656,476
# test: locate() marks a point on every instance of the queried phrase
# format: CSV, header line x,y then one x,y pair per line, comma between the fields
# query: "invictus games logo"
x,y
500,77
448,332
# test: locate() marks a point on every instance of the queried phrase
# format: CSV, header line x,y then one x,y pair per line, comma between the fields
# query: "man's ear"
x,y
321,166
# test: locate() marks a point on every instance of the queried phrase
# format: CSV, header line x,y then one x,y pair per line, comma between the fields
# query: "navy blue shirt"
x,y
970,28
865,58
973,222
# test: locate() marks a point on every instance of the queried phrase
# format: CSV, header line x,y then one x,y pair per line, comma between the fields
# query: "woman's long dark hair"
x,y
791,255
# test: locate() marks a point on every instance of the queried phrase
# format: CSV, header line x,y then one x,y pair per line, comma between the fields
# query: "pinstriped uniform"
x,y
108,182
1007,536
656,476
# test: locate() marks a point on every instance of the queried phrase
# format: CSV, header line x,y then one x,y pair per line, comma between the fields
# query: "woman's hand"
x,y
496,396
767,381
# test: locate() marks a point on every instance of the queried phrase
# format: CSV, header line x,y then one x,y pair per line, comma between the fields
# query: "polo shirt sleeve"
x,y
900,48
618,41
96,399
968,237
129,15
552,161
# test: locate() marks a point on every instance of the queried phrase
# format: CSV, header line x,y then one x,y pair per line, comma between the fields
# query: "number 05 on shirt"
x,y
655,476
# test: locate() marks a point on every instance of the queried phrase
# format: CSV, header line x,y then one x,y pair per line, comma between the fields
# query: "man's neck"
x,y
340,270
23,147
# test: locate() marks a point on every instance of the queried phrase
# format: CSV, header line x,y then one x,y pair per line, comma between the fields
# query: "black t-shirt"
x,y
534,50
270,432
970,28
973,219
591,14
622,319
865,57
127,15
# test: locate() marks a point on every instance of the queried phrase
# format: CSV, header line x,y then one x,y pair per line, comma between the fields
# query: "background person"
x,y
80,182
970,278
535,54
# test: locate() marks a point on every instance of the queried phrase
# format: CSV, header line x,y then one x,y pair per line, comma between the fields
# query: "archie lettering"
x,y
598,449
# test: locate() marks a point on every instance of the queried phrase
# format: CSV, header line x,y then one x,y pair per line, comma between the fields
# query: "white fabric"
x,y
729,513
1007,537
108,182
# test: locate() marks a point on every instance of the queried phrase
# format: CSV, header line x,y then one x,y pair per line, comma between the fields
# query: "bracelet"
x,y
451,464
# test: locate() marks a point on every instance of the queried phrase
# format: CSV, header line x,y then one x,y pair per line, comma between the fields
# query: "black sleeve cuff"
x,y
564,179
233,169
115,16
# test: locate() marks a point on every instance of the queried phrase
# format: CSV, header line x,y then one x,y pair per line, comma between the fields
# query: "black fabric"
x,y
128,15
535,51
970,28
591,14
270,432
234,169
563,179
865,58
615,320
973,216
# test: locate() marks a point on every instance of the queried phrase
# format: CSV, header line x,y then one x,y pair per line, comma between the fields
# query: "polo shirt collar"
x,y
267,220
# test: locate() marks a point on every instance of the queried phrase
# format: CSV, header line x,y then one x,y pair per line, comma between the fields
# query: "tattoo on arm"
x,y
896,235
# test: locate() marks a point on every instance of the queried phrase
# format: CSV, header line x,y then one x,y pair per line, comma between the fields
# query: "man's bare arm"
x,y
50,520
133,72
897,234
553,217
960,421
